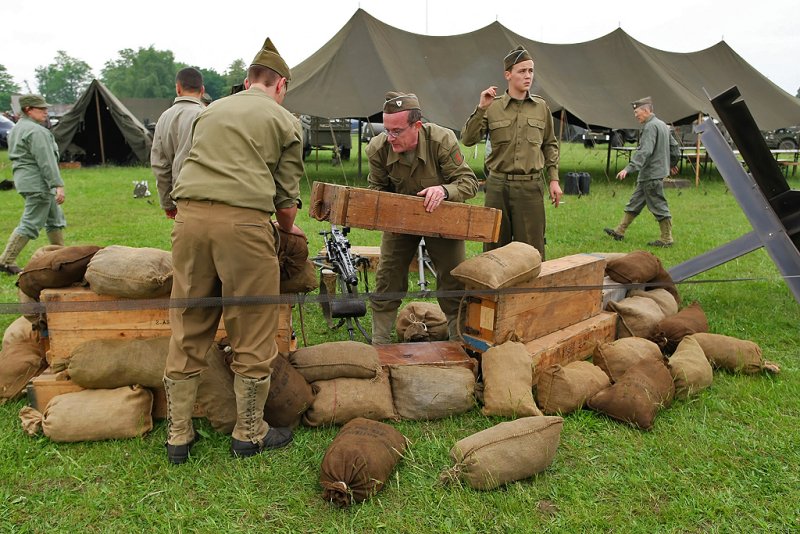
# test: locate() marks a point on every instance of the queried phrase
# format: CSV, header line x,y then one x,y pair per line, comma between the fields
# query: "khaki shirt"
x,y
247,151
522,136
33,152
437,160
651,159
172,140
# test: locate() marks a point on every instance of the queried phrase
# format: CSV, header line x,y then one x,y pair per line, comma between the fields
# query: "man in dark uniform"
x,y
524,153
244,166
412,158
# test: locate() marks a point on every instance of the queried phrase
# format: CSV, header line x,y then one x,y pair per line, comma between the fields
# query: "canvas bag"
x,y
671,330
665,300
289,395
732,354
113,363
340,400
18,331
337,359
20,360
215,395
616,357
690,369
636,316
509,265
561,390
130,272
422,392
421,321
60,267
508,381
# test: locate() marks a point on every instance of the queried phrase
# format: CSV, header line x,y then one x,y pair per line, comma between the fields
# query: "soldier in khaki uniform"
x,y
244,166
524,153
425,160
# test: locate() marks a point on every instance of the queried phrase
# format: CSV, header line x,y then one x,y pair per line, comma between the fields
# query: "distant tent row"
x,y
592,83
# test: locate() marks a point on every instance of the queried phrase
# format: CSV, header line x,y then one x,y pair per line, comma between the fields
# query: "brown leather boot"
x,y
666,234
618,233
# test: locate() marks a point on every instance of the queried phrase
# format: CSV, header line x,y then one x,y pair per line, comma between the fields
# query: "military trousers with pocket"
x,y
649,193
522,204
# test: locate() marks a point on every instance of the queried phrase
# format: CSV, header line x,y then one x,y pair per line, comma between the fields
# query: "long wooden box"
x,y
391,212
567,291
572,343
90,319
439,353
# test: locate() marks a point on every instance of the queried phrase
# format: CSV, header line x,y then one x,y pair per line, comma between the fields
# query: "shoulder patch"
x,y
457,156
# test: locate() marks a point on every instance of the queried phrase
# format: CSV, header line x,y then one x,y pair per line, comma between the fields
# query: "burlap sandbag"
x,y
93,415
421,321
671,330
215,395
18,331
510,265
638,396
289,395
303,281
690,369
665,300
616,357
341,400
636,316
292,253
20,361
25,299
430,392
730,353
635,267
508,381
506,452
113,363
359,461
561,390
664,280
337,359
130,272
61,267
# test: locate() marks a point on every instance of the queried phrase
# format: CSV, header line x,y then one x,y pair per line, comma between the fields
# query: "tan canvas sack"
x,y
337,359
421,321
510,265
18,331
671,330
289,395
616,357
429,392
636,316
665,300
690,369
130,272
19,362
60,267
636,267
733,354
562,390
303,281
508,381
506,452
340,400
113,363
215,396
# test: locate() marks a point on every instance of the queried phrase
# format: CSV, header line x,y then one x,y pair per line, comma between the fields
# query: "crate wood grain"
x,y
392,212
439,353
567,291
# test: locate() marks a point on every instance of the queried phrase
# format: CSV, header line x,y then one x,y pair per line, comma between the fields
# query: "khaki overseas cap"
x,y
515,56
33,101
642,102
396,102
269,57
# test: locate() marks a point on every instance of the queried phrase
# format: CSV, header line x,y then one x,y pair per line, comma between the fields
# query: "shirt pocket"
x,y
534,131
500,131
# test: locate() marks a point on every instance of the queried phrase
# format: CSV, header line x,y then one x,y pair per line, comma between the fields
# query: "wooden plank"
x,y
392,212
441,353
572,343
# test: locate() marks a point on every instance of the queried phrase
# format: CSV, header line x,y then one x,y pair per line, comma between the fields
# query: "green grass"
x,y
725,461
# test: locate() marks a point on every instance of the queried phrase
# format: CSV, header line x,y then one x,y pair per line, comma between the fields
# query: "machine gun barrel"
x,y
338,248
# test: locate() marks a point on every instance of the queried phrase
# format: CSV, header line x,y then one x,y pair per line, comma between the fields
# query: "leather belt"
x,y
515,177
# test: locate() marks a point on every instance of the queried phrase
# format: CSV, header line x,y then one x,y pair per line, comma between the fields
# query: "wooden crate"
x,y
440,353
392,212
90,320
567,291
572,343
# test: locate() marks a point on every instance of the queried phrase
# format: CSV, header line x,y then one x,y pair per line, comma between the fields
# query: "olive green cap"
x,y
642,102
33,101
515,56
269,57
396,102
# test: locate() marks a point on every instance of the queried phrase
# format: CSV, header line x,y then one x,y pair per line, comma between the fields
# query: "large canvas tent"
x,y
591,82
99,130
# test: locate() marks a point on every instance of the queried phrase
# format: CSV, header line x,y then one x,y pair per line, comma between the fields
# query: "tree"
x,y
144,73
7,88
64,80
236,73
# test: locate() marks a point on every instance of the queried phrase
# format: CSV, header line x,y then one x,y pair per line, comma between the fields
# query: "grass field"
x,y
725,461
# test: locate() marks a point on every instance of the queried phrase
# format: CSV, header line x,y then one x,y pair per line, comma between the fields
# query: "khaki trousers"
x,y
522,204
223,251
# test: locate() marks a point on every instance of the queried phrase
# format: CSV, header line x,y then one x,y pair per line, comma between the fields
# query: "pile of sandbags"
x,y
21,358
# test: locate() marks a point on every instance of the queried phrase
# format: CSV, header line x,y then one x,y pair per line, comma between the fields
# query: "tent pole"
x,y
561,132
697,154
360,126
100,128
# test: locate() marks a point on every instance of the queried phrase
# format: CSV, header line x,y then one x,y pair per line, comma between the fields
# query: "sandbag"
x,y
636,316
638,396
616,357
289,395
359,461
292,253
421,321
18,331
113,363
730,353
509,451
340,400
635,267
430,392
303,281
20,360
215,395
60,267
23,298
561,390
665,300
690,369
671,330
508,381
130,272
337,359
93,415
509,265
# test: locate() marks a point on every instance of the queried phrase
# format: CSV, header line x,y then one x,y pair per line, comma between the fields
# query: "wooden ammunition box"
x,y
567,291
439,353
391,212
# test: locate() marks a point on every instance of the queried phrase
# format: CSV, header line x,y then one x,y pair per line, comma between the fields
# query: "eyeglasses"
x,y
397,132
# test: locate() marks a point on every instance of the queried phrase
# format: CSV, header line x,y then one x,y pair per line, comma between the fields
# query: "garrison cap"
x,y
269,57
642,102
33,101
515,56
396,102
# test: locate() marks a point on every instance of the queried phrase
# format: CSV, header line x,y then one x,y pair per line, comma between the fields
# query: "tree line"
x,y
142,73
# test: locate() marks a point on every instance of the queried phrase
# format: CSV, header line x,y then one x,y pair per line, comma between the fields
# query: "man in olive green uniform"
x,y
524,153
425,160
33,152
172,138
651,161
245,164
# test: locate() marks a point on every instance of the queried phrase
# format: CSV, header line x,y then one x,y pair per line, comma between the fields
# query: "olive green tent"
x,y
99,130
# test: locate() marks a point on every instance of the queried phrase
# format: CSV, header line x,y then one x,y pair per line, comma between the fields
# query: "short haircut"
x,y
190,79
262,74
414,115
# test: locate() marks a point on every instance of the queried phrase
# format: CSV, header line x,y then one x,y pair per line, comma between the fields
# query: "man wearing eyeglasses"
x,y
412,158
244,166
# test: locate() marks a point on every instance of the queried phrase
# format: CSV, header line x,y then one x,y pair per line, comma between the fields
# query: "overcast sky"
x,y
765,34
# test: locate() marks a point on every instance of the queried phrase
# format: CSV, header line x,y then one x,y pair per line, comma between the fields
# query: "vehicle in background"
x,y
783,138
326,134
5,126
616,137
